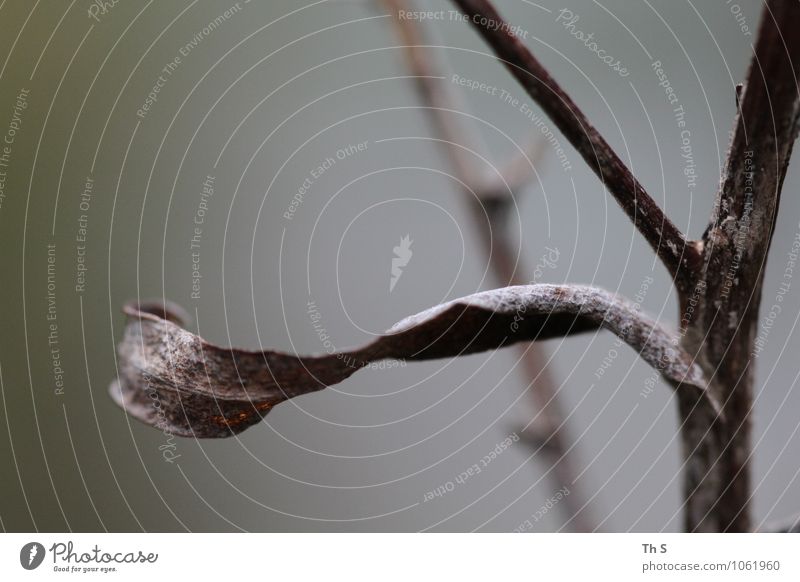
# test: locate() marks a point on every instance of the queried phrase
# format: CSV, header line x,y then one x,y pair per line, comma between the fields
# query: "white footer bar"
x,y
354,557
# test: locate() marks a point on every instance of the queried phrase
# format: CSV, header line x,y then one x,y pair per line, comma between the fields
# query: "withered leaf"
x,y
174,380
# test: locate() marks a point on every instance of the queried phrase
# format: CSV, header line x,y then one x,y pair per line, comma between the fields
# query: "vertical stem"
x,y
735,247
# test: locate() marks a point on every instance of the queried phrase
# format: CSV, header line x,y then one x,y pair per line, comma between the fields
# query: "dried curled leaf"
x,y
173,379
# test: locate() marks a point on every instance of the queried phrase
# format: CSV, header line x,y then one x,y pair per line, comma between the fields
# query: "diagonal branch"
x,y
664,237
444,107
492,197
173,379
516,172
439,98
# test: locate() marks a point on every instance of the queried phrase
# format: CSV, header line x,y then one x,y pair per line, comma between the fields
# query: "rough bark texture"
x,y
665,238
718,279
723,325
174,380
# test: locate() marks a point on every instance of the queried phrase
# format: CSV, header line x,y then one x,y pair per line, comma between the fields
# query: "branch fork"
x,y
174,380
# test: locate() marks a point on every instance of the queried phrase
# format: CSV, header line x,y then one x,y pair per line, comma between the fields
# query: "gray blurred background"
x,y
257,102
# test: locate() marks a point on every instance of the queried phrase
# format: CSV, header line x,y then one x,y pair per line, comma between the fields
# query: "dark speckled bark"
x,y
735,247
184,385
718,279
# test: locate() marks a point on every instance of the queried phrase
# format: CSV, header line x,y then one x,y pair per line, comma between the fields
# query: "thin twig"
x,y
666,239
492,196
517,171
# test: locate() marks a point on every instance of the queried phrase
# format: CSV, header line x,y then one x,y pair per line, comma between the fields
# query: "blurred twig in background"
x,y
490,196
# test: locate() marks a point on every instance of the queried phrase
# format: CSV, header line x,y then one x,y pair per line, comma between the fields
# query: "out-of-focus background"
x,y
103,188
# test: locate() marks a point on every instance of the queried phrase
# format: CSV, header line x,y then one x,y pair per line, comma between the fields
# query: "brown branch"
x,y
175,380
736,244
440,100
767,125
518,170
492,197
664,237
444,107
